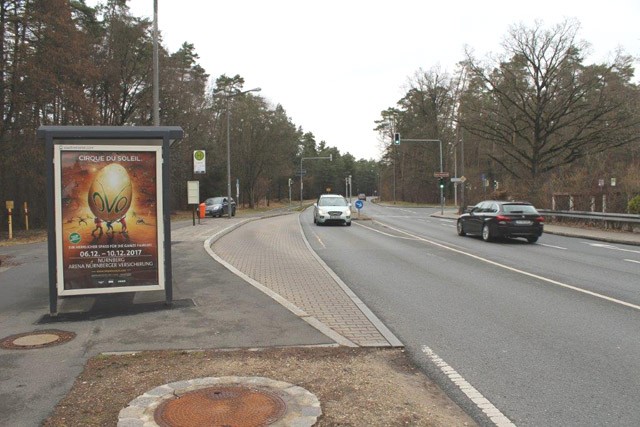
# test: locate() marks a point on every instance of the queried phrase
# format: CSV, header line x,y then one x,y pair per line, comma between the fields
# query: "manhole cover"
x,y
223,402
221,406
36,339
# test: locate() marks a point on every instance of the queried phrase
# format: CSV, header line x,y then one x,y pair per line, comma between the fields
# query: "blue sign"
x,y
359,204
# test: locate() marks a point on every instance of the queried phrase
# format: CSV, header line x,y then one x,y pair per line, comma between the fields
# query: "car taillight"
x,y
539,219
503,218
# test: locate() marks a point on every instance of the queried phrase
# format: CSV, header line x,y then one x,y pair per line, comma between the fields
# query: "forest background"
x,y
530,122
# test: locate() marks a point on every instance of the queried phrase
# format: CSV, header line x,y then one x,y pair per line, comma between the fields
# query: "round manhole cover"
x,y
36,339
221,406
223,402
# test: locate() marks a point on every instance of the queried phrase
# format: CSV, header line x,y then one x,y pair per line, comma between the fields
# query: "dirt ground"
x,y
21,237
355,386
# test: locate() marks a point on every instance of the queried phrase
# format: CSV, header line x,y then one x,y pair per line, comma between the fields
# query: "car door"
x,y
475,219
491,213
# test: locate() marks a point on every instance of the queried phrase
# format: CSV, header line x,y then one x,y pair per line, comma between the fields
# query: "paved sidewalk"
x,y
274,253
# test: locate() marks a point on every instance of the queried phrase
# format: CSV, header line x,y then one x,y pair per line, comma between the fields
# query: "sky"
x,y
334,65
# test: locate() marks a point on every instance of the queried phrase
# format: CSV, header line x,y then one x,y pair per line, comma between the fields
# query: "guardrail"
x,y
608,219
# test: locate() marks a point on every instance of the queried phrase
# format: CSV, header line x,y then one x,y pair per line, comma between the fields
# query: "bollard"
x,y
26,216
9,204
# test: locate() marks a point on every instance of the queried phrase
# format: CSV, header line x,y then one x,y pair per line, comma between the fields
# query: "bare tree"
x,y
542,108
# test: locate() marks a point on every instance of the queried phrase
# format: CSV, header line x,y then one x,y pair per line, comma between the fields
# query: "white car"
x,y
332,209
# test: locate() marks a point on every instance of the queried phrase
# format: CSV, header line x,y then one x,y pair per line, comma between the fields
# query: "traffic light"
x,y
441,183
396,139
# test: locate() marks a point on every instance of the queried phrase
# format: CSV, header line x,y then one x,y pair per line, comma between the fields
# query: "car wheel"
x,y
314,220
486,233
532,239
349,224
460,229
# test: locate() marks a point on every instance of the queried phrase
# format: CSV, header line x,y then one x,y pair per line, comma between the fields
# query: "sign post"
x,y
193,197
199,162
359,204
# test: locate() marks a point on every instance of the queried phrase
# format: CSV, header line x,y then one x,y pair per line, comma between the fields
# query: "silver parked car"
x,y
332,209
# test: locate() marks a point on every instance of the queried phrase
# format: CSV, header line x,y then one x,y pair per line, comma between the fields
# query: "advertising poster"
x,y
108,215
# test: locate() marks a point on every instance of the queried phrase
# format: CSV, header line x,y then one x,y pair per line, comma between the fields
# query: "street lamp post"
x,y
156,72
229,96
330,157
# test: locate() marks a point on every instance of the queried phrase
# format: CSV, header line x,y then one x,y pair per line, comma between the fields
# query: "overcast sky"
x,y
334,65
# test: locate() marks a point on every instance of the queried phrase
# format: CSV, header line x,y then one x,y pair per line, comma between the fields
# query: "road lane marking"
x,y
470,391
612,247
552,246
515,270
383,233
319,240
632,260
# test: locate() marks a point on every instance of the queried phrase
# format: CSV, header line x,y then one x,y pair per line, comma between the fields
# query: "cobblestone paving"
x,y
272,252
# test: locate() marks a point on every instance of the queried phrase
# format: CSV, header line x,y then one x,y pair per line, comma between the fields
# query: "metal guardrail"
x,y
596,216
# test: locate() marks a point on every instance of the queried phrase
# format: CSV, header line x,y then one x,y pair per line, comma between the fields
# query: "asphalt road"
x,y
548,333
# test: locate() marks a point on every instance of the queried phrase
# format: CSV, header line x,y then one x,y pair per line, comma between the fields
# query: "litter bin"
x,y
202,211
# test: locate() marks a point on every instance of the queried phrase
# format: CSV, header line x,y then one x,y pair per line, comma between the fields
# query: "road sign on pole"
x,y
441,174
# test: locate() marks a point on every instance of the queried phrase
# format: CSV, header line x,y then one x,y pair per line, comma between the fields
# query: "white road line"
x,y
478,399
515,270
383,233
632,260
319,240
612,247
552,246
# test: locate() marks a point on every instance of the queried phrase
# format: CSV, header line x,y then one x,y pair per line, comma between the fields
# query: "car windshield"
x,y
525,209
332,201
214,201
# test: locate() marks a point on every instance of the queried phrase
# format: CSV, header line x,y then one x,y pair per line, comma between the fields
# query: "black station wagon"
x,y
494,219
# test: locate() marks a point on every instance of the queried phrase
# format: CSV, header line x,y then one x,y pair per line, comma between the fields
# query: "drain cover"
x,y
222,406
223,402
36,339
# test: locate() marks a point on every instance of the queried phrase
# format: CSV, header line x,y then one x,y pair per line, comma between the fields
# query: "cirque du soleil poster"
x,y
108,210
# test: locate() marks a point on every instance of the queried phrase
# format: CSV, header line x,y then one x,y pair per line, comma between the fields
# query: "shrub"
x,y
634,205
